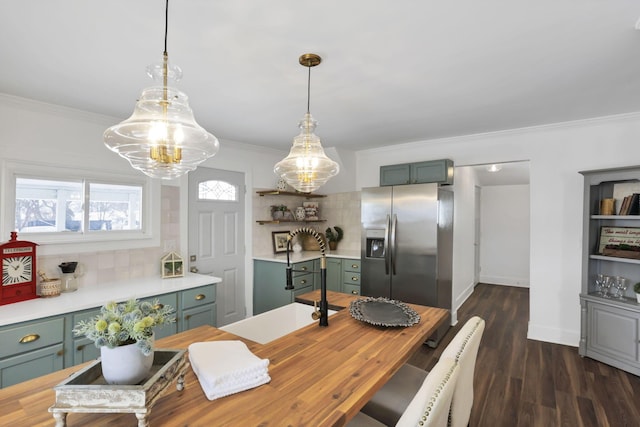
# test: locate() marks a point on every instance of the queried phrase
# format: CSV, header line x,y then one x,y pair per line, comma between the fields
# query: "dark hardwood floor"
x,y
520,382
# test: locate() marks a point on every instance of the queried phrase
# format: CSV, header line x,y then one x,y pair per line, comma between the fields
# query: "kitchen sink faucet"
x,y
324,305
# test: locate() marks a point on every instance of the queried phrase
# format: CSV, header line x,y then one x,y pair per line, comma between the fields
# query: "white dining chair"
x,y
390,402
429,406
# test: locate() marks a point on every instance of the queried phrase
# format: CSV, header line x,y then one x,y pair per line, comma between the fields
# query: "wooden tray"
x,y
87,390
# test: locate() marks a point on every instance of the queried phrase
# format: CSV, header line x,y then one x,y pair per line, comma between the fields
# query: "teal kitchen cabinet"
x,y
163,300
31,349
198,307
38,347
269,281
439,171
334,275
351,276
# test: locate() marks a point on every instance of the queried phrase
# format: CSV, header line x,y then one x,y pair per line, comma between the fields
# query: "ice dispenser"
x,y
375,243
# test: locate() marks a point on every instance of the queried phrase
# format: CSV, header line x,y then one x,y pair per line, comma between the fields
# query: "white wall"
x,y
504,231
463,242
556,154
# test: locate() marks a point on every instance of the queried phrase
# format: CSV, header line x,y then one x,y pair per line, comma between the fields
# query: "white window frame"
x,y
78,242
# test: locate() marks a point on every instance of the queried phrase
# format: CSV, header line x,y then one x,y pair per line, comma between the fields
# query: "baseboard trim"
x,y
553,335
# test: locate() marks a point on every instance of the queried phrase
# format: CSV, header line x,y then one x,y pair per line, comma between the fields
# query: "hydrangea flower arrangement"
x,y
126,323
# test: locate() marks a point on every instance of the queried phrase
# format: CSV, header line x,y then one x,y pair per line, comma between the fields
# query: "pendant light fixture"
x,y
162,138
307,168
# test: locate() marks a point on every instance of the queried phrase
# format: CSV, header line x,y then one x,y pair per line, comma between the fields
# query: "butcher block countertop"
x,y
320,376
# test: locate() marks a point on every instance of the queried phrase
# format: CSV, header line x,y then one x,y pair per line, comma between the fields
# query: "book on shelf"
x,y
630,205
624,205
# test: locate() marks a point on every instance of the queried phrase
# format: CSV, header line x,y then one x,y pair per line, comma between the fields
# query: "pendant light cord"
x,y
308,87
166,25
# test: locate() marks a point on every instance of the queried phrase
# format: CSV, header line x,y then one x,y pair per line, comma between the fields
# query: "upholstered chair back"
x,y
464,349
430,406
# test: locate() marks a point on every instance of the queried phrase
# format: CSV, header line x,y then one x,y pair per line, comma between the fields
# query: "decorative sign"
x,y
619,238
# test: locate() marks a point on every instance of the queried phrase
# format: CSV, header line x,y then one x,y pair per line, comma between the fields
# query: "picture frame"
x,y
279,240
622,241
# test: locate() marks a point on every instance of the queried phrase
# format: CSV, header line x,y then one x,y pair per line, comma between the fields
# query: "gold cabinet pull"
x,y
354,278
200,297
354,265
60,353
80,347
158,306
29,338
304,268
303,281
354,292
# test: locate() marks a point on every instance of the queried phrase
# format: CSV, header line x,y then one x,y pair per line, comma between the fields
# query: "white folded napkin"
x,y
227,367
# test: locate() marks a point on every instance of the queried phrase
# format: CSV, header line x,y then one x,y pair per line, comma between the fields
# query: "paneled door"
x,y
216,236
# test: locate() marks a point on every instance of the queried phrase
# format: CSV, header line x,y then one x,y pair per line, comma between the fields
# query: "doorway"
x,y
216,236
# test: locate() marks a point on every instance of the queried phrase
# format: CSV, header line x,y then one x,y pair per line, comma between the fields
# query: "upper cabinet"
x,y
438,171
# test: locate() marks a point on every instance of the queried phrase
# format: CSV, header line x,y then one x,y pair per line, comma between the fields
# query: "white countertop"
x,y
97,296
308,255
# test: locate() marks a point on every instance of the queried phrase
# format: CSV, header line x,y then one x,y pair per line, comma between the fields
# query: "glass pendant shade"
x,y
162,138
307,167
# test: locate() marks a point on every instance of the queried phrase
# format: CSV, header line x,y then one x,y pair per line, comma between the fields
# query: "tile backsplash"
x,y
106,266
341,209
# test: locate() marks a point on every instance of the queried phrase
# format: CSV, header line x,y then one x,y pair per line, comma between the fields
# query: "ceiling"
x,y
392,72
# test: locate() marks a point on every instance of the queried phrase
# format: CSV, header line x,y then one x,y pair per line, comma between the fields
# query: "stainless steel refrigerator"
x,y
407,245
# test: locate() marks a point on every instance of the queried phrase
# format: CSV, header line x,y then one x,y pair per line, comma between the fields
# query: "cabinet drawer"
x,y
32,336
351,265
198,296
351,289
302,268
303,281
351,278
164,300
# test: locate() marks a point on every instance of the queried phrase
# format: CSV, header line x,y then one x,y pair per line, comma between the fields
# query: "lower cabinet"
x,y
334,275
198,308
611,333
39,347
31,349
270,279
31,365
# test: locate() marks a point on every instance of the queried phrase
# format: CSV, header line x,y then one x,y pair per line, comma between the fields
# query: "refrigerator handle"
x,y
393,244
387,248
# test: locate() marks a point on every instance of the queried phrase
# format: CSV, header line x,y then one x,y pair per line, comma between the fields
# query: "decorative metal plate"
x,y
383,312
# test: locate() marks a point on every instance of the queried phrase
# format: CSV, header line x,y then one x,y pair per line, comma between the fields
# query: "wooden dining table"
x,y
320,376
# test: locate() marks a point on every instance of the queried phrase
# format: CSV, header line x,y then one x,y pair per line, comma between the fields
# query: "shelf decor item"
x,y
279,239
18,270
124,334
619,242
608,207
172,265
333,237
636,289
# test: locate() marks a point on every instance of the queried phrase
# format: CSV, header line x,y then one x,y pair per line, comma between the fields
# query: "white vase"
x,y
638,298
125,364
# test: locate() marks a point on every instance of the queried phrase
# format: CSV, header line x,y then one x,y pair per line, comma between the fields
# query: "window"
x,y
44,205
217,190
94,210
